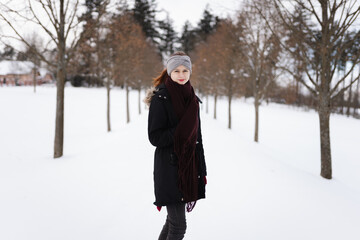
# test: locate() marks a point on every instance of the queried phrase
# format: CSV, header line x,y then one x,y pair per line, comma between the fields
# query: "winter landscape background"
x,y
102,187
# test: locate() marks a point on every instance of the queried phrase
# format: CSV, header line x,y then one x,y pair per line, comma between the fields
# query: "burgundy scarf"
x,y
186,108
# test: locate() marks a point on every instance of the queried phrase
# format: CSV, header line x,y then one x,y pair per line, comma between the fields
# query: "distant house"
x,y
21,73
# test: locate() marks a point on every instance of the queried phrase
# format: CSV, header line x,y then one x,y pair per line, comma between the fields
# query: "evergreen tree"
x,y
86,62
192,37
207,24
91,7
168,37
144,13
8,53
188,38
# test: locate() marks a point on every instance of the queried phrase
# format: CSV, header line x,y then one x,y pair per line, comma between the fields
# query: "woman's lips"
x,y
181,80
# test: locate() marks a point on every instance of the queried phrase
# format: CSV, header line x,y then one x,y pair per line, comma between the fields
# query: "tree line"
x,y
272,49
94,43
299,53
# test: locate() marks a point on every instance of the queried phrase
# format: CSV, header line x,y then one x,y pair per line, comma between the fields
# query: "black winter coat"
x,y
162,123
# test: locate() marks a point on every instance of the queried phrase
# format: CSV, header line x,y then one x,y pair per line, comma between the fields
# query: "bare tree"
x,y
35,42
224,43
150,62
260,50
60,25
106,67
206,71
321,53
133,55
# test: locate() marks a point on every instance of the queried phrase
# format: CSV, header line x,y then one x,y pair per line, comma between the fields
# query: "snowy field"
x,y
102,188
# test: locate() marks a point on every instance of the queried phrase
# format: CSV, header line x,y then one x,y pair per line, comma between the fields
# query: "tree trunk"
x,y
324,117
324,97
145,106
59,124
349,102
356,97
108,105
139,100
207,104
202,106
34,77
127,105
230,98
60,87
297,89
342,100
215,102
256,104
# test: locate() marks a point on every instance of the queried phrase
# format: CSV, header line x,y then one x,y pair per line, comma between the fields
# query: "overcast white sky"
x,y
180,11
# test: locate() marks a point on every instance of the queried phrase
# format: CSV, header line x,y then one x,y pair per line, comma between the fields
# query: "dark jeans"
x,y
175,225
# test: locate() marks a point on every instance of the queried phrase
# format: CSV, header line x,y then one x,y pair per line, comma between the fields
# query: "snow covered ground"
x,y
102,188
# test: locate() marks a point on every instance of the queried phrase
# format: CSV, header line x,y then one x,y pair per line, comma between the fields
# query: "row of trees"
x,y
95,43
324,44
300,53
270,43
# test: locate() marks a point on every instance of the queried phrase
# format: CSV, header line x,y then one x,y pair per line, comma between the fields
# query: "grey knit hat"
x,y
177,60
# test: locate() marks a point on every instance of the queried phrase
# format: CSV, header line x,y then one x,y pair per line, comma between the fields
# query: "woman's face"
x,y
180,75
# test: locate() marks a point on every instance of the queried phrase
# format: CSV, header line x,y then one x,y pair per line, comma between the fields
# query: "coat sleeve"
x,y
159,132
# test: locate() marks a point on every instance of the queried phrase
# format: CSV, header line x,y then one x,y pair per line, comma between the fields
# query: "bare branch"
x,y
344,46
72,17
333,90
290,51
313,11
286,69
332,11
52,6
42,25
346,88
67,6
20,38
52,19
262,93
16,12
347,22
342,14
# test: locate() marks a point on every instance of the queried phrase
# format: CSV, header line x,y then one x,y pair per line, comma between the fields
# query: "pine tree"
x,y
168,37
86,62
8,53
144,14
207,24
188,38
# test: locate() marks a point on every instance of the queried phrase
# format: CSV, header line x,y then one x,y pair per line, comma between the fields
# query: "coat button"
x,y
182,199
164,97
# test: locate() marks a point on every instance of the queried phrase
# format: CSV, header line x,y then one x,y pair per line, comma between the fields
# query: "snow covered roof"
x,y
15,67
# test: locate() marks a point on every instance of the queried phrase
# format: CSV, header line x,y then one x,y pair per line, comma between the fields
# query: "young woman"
x,y
174,129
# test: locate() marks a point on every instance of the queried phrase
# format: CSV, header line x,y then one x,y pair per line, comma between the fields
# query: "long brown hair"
x,y
163,75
